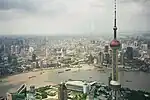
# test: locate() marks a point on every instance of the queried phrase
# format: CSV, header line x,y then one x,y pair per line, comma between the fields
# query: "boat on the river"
x,y
90,77
31,77
101,70
128,81
67,69
74,71
60,72
89,69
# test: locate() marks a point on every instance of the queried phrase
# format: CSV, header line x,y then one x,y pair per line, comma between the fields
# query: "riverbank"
x,y
50,68
38,80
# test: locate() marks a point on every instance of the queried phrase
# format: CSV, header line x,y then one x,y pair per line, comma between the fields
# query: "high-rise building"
x,y
145,47
62,92
106,48
22,52
121,58
95,61
33,57
135,43
106,58
46,52
31,50
64,52
129,53
136,53
110,56
100,58
106,54
91,59
4,48
17,49
40,63
12,49
34,64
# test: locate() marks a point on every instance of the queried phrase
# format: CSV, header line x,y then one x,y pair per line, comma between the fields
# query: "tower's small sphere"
x,y
115,44
115,28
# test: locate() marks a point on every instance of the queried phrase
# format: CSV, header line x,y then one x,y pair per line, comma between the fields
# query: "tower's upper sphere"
x,y
115,28
115,44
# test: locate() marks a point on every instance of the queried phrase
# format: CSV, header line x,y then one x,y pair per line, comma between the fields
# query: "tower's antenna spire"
x,y
115,26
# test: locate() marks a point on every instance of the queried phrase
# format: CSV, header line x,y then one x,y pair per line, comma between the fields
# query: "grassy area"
x,y
44,92
77,95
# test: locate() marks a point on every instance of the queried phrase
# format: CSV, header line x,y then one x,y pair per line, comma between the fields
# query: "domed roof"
x,y
115,43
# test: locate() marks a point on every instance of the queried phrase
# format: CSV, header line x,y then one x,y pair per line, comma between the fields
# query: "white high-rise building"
x,y
22,52
16,49
12,49
4,48
135,43
95,61
124,45
46,52
31,50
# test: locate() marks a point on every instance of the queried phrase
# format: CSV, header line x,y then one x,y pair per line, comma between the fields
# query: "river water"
x,y
140,80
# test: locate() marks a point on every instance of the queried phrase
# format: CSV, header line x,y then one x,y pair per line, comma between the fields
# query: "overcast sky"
x,y
72,16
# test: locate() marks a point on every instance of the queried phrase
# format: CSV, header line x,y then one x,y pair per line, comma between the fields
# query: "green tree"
x,y
44,95
75,98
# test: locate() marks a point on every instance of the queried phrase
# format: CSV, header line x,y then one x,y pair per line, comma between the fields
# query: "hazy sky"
x,y
72,16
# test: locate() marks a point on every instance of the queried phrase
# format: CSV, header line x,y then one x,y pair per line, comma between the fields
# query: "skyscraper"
x,y
62,92
33,57
129,53
135,43
17,49
12,49
106,48
121,58
100,58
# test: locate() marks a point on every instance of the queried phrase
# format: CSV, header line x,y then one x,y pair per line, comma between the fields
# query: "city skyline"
x,y
71,17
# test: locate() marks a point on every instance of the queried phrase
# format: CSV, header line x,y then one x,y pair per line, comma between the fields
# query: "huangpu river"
x,y
139,80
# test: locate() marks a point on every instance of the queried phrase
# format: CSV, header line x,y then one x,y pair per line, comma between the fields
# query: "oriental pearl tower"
x,y
115,45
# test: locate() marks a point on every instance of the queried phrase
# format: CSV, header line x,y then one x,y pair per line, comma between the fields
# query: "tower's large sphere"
x,y
115,44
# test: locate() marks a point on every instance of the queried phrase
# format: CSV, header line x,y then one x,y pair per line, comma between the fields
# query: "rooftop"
x,y
114,83
77,83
